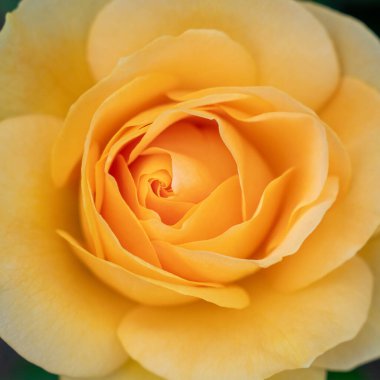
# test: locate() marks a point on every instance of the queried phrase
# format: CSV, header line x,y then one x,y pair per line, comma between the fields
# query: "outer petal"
x,y
366,345
357,46
42,50
301,374
189,62
276,332
354,114
271,30
50,306
133,371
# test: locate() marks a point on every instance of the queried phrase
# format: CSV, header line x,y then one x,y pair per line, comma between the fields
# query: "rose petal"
x,y
354,114
133,371
366,345
201,265
268,29
155,292
276,332
43,59
106,106
305,137
301,374
254,172
50,306
242,240
125,225
189,59
200,160
194,263
108,246
205,220
357,46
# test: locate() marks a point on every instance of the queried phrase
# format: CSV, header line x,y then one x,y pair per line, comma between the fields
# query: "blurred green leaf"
x,y
353,375
6,6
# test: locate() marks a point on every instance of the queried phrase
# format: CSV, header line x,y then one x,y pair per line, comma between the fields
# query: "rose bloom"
x,y
188,189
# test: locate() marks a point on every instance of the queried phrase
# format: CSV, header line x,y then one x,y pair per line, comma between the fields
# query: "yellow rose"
x,y
185,189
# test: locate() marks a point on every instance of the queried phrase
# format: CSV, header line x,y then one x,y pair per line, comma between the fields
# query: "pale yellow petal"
x,y
50,306
366,345
357,46
301,374
43,56
277,332
354,114
291,49
133,371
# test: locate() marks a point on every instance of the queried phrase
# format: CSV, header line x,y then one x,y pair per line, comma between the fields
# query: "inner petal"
x,y
179,167
200,160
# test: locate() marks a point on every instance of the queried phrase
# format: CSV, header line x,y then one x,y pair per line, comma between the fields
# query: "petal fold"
x,y
354,114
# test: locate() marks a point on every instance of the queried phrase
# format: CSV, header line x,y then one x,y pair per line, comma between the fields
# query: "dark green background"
x,y
13,367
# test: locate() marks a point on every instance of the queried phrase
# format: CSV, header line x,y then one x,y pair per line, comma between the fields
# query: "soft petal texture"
x,y
309,74
110,248
187,61
133,371
43,58
354,114
205,220
154,292
147,290
357,46
301,374
366,345
278,331
50,305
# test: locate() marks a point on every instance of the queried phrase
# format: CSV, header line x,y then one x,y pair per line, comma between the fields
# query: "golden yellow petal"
x,y
354,114
106,107
156,292
189,59
205,220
